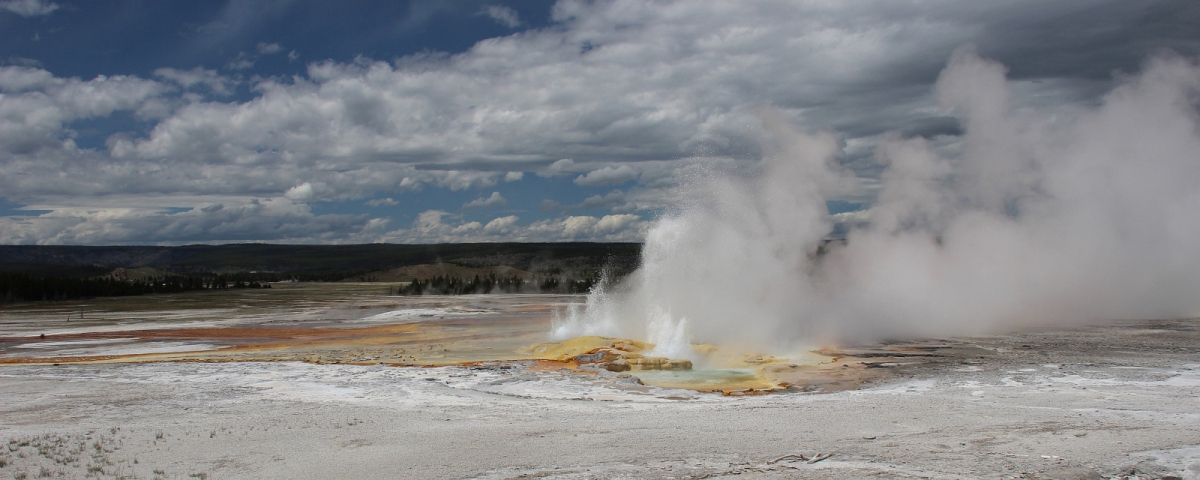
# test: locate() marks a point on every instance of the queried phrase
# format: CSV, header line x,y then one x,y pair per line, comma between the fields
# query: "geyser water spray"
x,y
1030,221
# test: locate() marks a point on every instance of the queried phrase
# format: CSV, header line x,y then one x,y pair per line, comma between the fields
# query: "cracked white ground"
x,y
1112,401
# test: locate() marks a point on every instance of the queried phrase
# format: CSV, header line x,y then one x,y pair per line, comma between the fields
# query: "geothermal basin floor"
x,y
1112,401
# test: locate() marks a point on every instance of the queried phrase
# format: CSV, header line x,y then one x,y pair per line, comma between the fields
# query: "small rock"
x,y
628,379
660,363
590,357
678,365
618,365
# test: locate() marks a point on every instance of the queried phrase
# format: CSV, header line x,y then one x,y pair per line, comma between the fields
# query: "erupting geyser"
x,y
1024,220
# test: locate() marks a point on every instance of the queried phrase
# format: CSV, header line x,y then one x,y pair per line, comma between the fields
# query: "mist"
x,y
1031,220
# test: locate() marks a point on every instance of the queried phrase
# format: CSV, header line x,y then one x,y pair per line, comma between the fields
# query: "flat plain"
x,y
342,380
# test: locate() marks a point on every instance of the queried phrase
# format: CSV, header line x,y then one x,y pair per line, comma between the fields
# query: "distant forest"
x,y
491,284
19,287
43,273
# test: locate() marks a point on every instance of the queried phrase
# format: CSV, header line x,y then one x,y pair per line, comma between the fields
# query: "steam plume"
x,y
1038,221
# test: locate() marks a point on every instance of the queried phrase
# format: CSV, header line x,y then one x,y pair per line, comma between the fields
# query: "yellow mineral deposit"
x,y
732,373
513,329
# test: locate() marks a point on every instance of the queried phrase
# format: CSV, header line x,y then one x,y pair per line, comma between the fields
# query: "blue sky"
x,y
85,39
132,122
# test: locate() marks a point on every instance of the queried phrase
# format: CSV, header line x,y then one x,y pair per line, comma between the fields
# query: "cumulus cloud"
x,y
615,200
558,167
381,202
607,176
564,99
300,193
242,62
435,226
502,15
501,225
466,228
218,84
269,48
276,219
29,8
492,201
454,180
17,79
613,92
514,176
430,219
37,107
591,227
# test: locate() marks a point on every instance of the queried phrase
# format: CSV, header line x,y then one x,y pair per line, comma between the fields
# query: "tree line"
x,y
21,287
447,285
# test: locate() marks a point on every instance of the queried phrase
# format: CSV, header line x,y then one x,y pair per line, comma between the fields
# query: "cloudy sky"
x,y
143,122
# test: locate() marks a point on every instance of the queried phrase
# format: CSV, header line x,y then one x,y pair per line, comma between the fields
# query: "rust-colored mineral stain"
x,y
514,334
541,365
455,341
282,333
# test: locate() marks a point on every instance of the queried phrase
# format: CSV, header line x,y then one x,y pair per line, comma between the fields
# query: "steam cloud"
x,y
1035,221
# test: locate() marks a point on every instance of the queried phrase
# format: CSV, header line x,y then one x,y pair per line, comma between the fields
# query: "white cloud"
x,y
242,62
269,48
17,79
466,228
557,168
501,225
492,201
380,202
855,217
608,228
430,219
217,83
276,219
29,8
37,106
551,102
612,92
300,193
607,176
452,179
615,200
430,227
591,96
502,15
615,223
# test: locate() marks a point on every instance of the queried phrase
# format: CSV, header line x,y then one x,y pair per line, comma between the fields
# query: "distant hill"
x,y
323,262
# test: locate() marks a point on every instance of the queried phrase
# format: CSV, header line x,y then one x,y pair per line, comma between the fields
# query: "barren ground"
x,y
1118,400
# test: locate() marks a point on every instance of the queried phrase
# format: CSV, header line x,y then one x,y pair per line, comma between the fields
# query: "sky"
x,y
291,121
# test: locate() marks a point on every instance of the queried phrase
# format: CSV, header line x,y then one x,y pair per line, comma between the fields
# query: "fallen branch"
x,y
793,456
819,457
